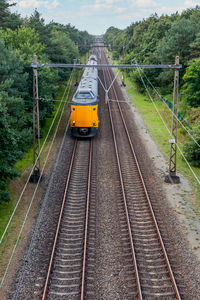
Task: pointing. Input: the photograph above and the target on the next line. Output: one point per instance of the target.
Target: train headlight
(73, 123)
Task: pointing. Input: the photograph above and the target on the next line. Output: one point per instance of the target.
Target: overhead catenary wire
(121, 101)
(197, 179)
(51, 100)
(27, 181)
(170, 109)
(30, 205)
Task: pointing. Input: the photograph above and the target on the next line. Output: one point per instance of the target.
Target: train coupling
(83, 131)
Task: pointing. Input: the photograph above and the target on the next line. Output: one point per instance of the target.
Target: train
(84, 121)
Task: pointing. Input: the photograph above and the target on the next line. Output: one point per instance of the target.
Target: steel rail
(59, 223)
(152, 213)
(126, 208)
(86, 223)
(150, 205)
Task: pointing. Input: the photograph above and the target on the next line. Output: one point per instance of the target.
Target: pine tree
(8, 19)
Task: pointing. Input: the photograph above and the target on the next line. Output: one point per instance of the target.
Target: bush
(194, 116)
(4, 196)
(191, 78)
(191, 149)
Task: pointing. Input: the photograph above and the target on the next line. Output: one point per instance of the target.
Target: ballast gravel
(110, 276)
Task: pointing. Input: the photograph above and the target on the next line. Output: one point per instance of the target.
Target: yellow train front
(84, 120)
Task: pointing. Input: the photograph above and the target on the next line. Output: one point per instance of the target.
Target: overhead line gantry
(103, 66)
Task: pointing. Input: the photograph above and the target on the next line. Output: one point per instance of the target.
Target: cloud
(119, 10)
(190, 3)
(55, 3)
(170, 10)
(37, 3)
(145, 3)
(104, 6)
(96, 16)
(108, 2)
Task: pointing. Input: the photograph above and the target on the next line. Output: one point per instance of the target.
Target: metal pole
(77, 50)
(36, 124)
(172, 177)
(34, 110)
(123, 73)
(106, 97)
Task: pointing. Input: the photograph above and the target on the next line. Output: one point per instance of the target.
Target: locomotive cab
(84, 107)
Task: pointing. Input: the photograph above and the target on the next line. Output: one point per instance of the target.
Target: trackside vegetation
(161, 136)
(20, 39)
(158, 40)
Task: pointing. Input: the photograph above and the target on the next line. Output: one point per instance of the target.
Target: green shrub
(191, 149)
(191, 78)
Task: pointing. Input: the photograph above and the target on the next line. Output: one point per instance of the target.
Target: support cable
(30, 205)
(113, 81)
(170, 109)
(102, 84)
(198, 180)
(107, 90)
(22, 193)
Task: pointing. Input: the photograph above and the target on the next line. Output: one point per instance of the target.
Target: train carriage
(84, 120)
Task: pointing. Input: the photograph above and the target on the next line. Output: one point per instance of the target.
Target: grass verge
(161, 136)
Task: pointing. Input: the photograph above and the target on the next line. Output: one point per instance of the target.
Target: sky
(96, 16)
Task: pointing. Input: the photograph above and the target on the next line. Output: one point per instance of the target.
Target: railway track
(107, 243)
(154, 277)
(67, 268)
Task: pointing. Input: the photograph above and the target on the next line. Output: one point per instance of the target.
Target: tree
(7, 19)
(11, 140)
(25, 41)
(191, 88)
(8, 152)
(62, 50)
(195, 47)
(80, 38)
(37, 23)
(111, 36)
(177, 42)
(13, 90)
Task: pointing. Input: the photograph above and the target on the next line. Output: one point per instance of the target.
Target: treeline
(20, 39)
(158, 40)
